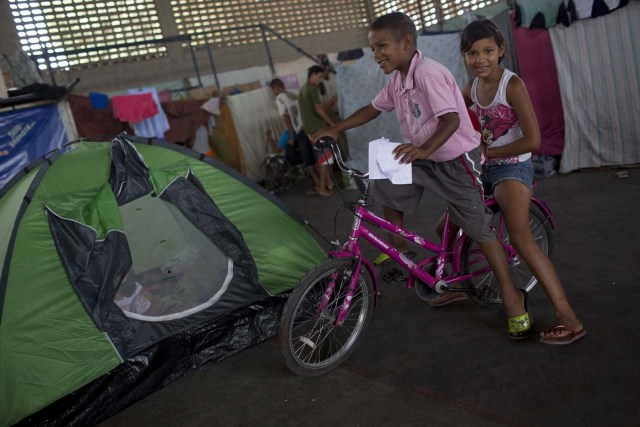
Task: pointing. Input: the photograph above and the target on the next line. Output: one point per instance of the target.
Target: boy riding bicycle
(429, 107)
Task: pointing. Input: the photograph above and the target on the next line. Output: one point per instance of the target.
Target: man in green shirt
(314, 117)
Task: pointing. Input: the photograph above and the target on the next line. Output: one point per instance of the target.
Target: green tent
(108, 249)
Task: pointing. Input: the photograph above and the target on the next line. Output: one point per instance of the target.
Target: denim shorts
(493, 175)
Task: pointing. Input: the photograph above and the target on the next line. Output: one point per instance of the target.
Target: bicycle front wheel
(485, 287)
(311, 339)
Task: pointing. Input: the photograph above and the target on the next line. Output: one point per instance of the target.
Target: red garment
(474, 120)
(326, 158)
(134, 108)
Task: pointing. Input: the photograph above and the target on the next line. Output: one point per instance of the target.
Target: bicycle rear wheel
(311, 341)
(485, 288)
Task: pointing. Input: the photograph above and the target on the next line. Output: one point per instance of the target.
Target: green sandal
(384, 257)
(519, 327)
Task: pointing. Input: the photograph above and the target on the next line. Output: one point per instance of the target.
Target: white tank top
(499, 121)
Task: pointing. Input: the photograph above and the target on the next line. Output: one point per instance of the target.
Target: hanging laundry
(584, 9)
(134, 108)
(155, 126)
(99, 101)
(165, 95)
(537, 13)
(212, 106)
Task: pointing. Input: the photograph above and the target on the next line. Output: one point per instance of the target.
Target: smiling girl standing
(509, 133)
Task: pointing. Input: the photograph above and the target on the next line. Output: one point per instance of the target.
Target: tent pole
(195, 62)
(210, 55)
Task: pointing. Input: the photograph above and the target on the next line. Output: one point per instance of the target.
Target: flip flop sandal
(561, 335)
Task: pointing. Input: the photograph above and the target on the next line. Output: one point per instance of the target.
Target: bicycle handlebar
(328, 142)
(332, 144)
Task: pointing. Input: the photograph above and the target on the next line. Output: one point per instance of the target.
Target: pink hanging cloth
(134, 108)
(538, 71)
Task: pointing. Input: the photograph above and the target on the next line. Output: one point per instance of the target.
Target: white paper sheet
(383, 165)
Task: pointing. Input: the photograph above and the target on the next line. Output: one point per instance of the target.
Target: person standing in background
(314, 118)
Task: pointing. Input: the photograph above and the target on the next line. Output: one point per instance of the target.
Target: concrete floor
(452, 366)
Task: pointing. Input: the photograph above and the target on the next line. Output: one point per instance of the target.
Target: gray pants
(456, 181)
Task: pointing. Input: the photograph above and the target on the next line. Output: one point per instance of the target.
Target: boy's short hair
(276, 83)
(315, 69)
(398, 24)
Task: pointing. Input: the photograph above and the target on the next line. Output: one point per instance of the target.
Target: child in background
(433, 118)
(314, 117)
(509, 133)
(297, 147)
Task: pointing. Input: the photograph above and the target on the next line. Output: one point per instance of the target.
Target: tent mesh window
(221, 20)
(176, 271)
(426, 13)
(52, 27)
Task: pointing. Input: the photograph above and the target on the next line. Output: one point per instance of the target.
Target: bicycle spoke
(521, 271)
(485, 280)
(304, 344)
(318, 332)
(314, 342)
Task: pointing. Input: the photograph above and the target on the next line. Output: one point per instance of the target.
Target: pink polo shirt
(429, 92)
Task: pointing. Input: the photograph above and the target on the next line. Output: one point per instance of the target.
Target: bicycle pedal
(393, 275)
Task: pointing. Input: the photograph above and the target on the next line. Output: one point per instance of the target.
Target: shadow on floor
(453, 366)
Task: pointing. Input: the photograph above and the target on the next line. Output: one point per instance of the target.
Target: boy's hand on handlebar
(323, 132)
(407, 153)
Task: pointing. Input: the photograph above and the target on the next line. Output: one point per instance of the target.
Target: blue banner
(26, 135)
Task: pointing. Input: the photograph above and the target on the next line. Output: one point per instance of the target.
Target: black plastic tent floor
(453, 366)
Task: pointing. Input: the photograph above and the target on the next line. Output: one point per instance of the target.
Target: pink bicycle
(328, 312)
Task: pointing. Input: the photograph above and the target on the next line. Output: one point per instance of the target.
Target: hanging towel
(99, 101)
(212, 106)
(154, 126)
(134, 108)
(538, 71)
(165, 95)
(537, 13)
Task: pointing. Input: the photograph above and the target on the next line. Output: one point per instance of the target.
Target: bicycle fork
(352, 275)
